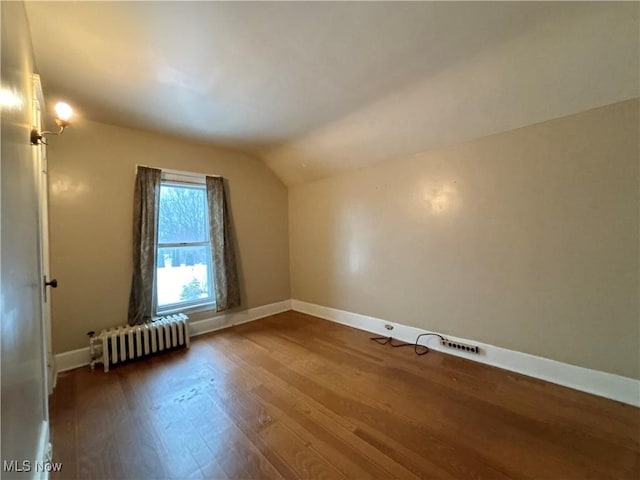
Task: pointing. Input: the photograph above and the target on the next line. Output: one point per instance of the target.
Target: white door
(40, 152)
(23, 407)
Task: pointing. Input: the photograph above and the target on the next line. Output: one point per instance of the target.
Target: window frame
(202, 304)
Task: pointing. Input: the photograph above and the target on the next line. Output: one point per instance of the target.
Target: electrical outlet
(459, 346)
(388, 326)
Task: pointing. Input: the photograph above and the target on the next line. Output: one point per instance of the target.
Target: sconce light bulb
(63, 111)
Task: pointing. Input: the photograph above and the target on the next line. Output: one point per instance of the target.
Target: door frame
(40, 159)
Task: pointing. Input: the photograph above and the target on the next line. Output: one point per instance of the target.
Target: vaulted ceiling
(316, 88)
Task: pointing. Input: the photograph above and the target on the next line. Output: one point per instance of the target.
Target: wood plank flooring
(294, 396)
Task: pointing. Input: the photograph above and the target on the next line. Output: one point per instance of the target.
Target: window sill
(190, 309)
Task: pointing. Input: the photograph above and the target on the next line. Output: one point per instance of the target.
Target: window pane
(183, 275)
(183, 215)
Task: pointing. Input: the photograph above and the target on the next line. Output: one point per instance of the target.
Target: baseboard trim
(608, 385)
(226, 320)
(71, 359)
(80, 357)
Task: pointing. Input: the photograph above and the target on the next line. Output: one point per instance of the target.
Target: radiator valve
(95, 349)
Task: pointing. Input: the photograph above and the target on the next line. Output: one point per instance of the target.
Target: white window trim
(188, 179)
(181, 175)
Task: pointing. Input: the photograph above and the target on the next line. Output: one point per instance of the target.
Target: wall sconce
(63, 114)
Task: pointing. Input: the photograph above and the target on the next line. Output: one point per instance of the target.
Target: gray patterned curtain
(222, 249)
(145, 217)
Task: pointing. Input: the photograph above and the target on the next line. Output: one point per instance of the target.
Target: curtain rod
(178, 172)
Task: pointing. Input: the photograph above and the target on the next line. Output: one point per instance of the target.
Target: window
(184, 276)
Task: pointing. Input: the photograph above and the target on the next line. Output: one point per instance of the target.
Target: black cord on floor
(423, 348)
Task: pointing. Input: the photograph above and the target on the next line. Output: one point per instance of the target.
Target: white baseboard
(80, 357)
(615, 387)
(226, 320)
(71, 359)
(608, 385)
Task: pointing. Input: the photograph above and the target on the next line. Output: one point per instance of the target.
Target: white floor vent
(129, 342)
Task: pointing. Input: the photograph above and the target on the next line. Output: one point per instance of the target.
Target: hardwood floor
(293, 396)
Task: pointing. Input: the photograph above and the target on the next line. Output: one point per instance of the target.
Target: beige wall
(92, 170)
(527, 240)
